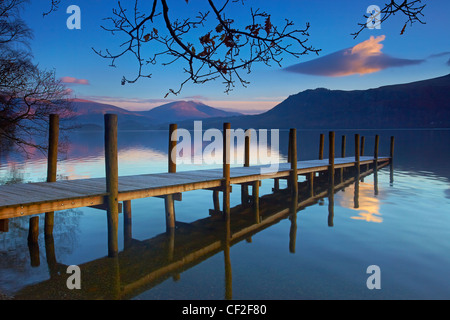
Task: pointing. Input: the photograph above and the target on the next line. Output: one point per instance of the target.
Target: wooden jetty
(143, 264)
(107, 193)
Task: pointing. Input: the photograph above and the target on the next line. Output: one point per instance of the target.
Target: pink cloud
(72, 80)
(68, 92)
(365, 57)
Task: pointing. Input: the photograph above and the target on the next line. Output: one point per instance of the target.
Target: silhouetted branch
(411, 9)
(12, 29)
(28, 95)
(223, 50)
(53, 7)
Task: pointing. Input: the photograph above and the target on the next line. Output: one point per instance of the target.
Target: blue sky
(70, 53)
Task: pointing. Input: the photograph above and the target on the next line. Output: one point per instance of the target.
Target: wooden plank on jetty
(105, 193)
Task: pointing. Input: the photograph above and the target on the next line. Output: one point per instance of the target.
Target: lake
(400, 226)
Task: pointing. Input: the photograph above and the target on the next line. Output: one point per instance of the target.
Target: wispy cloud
(441, 54)
(196, 97)
(365, 57)
(72, 80)
(68, 91)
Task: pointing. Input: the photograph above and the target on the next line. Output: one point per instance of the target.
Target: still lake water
(404, 229)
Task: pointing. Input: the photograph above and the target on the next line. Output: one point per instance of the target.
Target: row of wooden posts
(111, 162)
(111, 169)
(52, 159)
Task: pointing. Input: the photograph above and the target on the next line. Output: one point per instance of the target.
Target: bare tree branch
(223, 50)
(53, 7)
(28, 95)
(411, 9)
(211, 45)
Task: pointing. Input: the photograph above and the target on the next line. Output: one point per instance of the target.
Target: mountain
(185, 110)
(90, 114)
(421, 104)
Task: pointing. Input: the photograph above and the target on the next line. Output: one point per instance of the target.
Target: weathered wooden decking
(35, 198)
(106, 193)
(143, 264)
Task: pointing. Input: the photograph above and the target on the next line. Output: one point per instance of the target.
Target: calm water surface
(404, 228)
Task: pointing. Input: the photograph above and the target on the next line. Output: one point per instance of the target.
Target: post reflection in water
(356, 193)
(331, 172)
(227, 260)
(143, 264)
(293, 218)
(363, 198)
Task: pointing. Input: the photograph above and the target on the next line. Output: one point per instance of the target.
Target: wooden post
(343, 146)
(169, 202)
(173, 147)
(276, 185)
(357, 172)
(255, 191)
(50, 256)
(392, 149)
(391, 169)
(244, 193)
(331, 208)
(356, 194)
(33, 245)
(227, 261)
(294, 174)
(244, 187)
(363, 140)
(52, 147)
(293, 232)
(375, 163)
(33, 230)
(361, 153)
(4, 225)
(375, 180)
(52, 160)
(321, 146)
(35, 260)
(294, 189)
(375, 151)
(216, 200)
(294, 185)
(357, 150)
(226, 233)
(331, 153)
(112, 182)
(311, 184)
(171, 245)
(289, 156)
(226, 170)
(247, 148)
(169, 205)
(127, 230)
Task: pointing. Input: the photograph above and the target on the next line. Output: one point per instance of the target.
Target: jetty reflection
(143, 265)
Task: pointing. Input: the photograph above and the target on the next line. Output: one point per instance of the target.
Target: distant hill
(421, 104)
(185, 110)
(90, 114)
